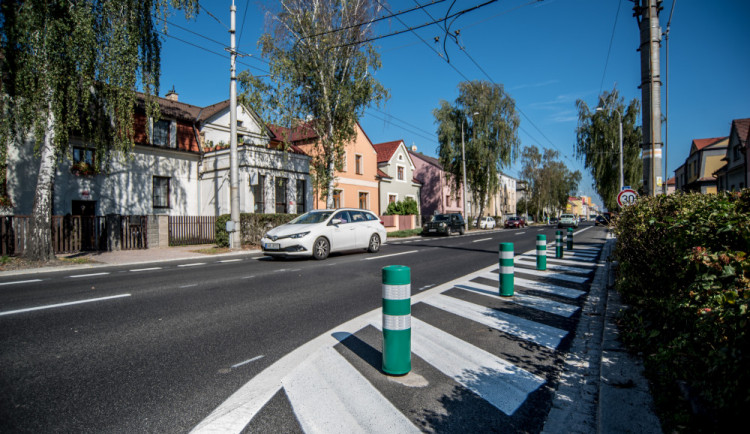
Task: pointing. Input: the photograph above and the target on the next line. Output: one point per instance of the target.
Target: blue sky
(546, 54)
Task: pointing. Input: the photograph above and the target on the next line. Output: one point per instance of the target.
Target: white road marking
(538, 303)
(189, 286)
(71, 303)
(553, 260)
(499, 382)
(426, 287)
(568, 254)
(329, 395)
(192, 265)
(147, 269)
(584, 229)
(520, 233)
(481, 239)
(89, 275)
(247, 277)
(526, 260)
(539, 333)
(247, 361)
(550, 275)
(20, 281)
(539, 286)
(388, 256)
(230, 260)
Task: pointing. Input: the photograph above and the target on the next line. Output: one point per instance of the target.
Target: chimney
(172, 95)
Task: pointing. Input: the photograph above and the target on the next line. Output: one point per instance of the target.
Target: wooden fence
(72, 234)
(189, 230)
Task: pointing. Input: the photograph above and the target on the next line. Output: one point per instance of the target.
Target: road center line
(147, 269)
(50, 306)
(89, 275)
(192, 265)
(520, 233)
(388, 256)
(481, 239)
(231, 260)
(247, 361)
(188, 286)
(20, 281)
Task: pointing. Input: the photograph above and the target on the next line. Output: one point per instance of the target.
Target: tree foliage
(320, 70)
(490, 133)
(70, 69)
(549, 181)
(598, 144)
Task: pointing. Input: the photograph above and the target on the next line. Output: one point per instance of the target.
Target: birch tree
(490, 134)
(71, 68)
(320, 76)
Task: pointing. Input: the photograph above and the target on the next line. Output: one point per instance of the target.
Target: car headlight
(299, 235)
(442, 225)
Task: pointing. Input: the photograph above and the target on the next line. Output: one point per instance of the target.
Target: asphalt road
(166, 343)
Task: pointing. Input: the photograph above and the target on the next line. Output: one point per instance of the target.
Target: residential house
(396, 169)
(671, 183)
(732, 175)
(357, 182)
(705, 158)
(438, 195)
(680, 178)
(503, 203)
(168, 173)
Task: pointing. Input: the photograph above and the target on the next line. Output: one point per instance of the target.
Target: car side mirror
(335, 222)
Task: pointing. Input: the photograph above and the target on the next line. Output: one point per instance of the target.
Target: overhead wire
(609, 50)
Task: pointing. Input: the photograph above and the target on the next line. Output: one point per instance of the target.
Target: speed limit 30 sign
(627, 197)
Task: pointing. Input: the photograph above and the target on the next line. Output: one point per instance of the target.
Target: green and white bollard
(396, 320)
(506, 269)
(570, 238)
(541, 252)
(558, 245)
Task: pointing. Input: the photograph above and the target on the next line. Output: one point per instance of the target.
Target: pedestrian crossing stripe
(548, 288)
(542, 334)
(497, 381)
(531, 301)
(552, 260)
(328, 395)
(575, 256)
(550, 275)
(523, 260)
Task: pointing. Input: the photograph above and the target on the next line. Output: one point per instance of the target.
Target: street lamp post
(619, 116)
(463, 163)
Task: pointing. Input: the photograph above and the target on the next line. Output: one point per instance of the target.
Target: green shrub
(407, 206)
(222, 236)
(685, 271)
(252, 227)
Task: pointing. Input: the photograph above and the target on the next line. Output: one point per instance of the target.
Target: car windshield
(441, 218)
(311, 217)
(513, 218)
(566, 216)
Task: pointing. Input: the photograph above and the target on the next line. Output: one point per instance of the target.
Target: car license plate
(272, 246)
(432, 230)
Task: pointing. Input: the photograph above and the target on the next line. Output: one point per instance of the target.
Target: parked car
(515, 222)
(567, 221)
(529, 220)
(318, 233)
(486, 223)
(444, 224)
(553, 220)
(603, 219)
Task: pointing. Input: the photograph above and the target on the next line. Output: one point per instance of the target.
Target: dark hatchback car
(444, 224)
(603, 219)
(515, 222)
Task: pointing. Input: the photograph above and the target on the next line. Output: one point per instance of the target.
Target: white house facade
(397, 181)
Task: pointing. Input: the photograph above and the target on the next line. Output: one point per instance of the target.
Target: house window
(447, 199)
(358, 164)
(161, 191)
(392, 198)
(336, 199)
(161, 133)
(363, 200)
(400, 173)
(343, 162)
(281, 195)
(301, 195)
(83, 155)
(258, 196)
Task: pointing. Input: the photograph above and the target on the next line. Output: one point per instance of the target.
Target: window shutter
(173, 134)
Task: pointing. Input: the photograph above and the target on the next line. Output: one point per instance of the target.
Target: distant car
(444, 224)
(553, 220)
(318, 233)
(603, 219)
(487, 223)
(567, 221)
(515, 222)
(528, 220)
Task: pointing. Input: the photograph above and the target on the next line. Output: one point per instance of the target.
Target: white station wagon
(318, 233)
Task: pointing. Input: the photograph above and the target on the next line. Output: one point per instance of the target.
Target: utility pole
(234, 190)
(647, 15)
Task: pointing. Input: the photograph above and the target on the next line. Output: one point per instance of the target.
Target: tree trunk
(331, 183)
(40, 246)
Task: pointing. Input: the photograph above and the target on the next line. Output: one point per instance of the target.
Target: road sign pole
(506, 269)
(541, 252)
(396, 320)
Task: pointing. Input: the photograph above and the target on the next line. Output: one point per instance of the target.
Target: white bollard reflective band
(541, 243)
(506, 255)
(396, 292)
(506, 270)
(396, 322)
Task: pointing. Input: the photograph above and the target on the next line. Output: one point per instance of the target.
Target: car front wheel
(321, 248)
(374, 244)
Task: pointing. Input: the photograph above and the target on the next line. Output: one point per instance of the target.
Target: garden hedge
(685, 272)
(252, 227)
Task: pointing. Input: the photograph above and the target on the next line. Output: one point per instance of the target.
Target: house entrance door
(86, 211)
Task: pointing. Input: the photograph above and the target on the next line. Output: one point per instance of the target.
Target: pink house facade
(436, 195)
